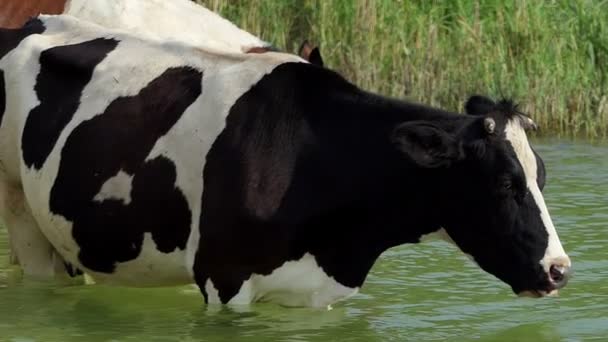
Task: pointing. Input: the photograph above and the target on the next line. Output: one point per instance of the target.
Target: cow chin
(538, 294)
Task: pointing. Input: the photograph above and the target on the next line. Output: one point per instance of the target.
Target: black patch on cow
(479, 105)
(2, 95)
(64, 73)
(10, 38)
(120, 139)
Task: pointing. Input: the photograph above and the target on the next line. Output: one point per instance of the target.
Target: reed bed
(549, 55)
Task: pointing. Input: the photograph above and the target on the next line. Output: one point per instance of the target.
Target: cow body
(258, 176)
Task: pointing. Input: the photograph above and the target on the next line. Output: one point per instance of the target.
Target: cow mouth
(549, 289)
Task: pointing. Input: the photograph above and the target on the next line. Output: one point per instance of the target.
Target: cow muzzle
(559, 274)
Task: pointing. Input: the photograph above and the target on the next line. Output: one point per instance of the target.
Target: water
(421, 292)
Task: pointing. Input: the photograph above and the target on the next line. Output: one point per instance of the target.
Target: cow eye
(507, 184)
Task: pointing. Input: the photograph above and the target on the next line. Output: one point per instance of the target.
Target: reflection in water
(417, 292)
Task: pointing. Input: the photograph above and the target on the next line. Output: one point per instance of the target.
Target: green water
(422, 292)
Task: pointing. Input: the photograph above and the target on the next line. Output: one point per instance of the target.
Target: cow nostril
(559, 275)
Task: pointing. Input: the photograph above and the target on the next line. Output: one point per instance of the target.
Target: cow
(181, 20)
(260, 177)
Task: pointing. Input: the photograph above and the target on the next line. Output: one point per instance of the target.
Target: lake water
(419, 292)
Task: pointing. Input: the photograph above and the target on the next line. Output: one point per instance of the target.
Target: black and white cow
(181, 20)
(258, 176)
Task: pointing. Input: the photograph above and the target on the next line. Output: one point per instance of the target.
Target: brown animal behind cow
(14, 13)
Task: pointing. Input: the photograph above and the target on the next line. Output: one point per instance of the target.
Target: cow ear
(479, 105)
(315, 57)
(310, 53)
(427, 145)
(305, 49)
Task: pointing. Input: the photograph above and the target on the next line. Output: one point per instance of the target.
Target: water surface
(415, 292)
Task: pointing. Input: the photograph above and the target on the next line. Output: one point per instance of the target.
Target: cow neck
(354, 195)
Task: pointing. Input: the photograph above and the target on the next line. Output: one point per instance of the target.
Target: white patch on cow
(181, 20)
(117, 188)
(295, 283)
(516, 135)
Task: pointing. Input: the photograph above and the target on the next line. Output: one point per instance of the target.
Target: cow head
(489, 193)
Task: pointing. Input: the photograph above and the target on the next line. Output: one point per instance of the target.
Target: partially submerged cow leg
(29, 247)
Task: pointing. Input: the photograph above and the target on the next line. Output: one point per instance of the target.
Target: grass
(550, 55)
